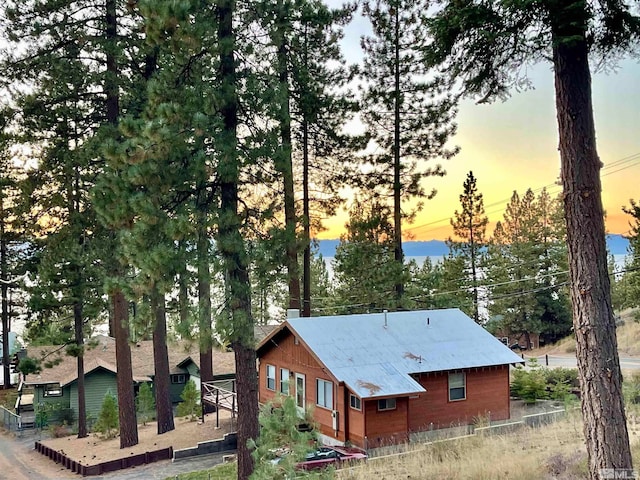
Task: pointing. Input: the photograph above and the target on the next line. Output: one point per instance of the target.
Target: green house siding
(96, 385)
(39, 397)
(175, 389)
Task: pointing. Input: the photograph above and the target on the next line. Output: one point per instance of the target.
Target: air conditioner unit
(334, 419)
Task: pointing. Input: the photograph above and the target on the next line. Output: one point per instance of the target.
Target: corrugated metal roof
(375, 357)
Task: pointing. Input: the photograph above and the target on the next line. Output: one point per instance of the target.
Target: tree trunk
(284, 163)
(306, 220)
(231, 245)
(605, 425)
(204, 304)
(126, 398)
(161, 377)
(4, 287)
(79, 337)
(397, 197)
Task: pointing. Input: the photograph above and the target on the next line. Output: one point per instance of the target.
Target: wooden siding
(39, 398)
(297, 359)
(96, 385)
(175, 389)
(487, 394)
(386, 427)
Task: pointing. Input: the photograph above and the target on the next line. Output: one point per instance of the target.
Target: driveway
(570, 361)
(19, 461)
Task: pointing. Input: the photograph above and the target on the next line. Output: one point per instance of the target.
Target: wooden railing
(220, 398)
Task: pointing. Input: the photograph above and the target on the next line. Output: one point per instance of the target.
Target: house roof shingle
(103, 355)
(375, 354)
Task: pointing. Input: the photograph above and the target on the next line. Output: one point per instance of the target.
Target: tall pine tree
(406, 107)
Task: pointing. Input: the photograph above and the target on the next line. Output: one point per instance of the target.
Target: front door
(300, 391)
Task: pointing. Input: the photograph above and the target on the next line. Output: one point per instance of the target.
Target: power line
(618, 165)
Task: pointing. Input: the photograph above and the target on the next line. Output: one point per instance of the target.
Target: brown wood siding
(487, 394)
(297, 359)
(386, 427)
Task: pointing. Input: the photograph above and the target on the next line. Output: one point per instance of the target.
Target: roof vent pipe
(385, 318)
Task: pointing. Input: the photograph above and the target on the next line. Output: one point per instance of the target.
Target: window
(271, 377)
(179, 378)
(324, 393)
(387, 404)
(53, 390)
(355, 402)
(284, 381)
(457, 387)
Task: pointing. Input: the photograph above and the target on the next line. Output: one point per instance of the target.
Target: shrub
(529, 385)
(145, 404)
(107, 423)
(189, 406)
(281, 436)
(631, 389)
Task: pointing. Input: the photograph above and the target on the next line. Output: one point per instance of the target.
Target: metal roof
(374, 354)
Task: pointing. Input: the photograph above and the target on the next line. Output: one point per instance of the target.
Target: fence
(10, 420)
(104, 467)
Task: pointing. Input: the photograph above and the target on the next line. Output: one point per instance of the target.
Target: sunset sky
(513, 145)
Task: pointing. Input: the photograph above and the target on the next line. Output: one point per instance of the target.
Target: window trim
(387, 407)
(271, 369)
(178, 378)
(284, 381)
(357, 399)
(52, 390)
(327, 401)
(457, 387)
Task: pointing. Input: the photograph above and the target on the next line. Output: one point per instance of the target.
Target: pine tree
(107, 422)
(145, 404)
(364, 266)
(189, 406)
(469, 226)
(406, 108)
(631, 278)
(230, 243)
(486, 47)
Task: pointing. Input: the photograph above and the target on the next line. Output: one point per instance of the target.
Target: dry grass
(629, 334)
(553, 451)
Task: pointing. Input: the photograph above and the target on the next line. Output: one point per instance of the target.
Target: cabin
(374, 379)
(56, 383)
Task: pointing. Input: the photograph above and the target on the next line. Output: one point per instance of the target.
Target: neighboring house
(372, 379)
(57, 381)
(520, 341)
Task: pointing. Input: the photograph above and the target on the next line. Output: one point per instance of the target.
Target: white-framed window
(324, 393)
(284, 381)
(271, 377)
(386, 404)
(355, 402)
(179, 378)
(52, 390)
(457, 386)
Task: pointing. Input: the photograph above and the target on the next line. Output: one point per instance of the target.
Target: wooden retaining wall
(104, 467)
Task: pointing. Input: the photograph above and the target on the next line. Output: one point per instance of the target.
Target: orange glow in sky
(512, 145)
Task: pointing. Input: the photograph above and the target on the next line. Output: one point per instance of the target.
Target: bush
(529, 385)
(631, 389)
(108, 420)
(145, 404)
(281, 436)
(189, 406)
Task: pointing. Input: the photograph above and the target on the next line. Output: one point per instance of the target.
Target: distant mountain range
(616, 244)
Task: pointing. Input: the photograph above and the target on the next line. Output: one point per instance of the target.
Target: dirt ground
(93, 449)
